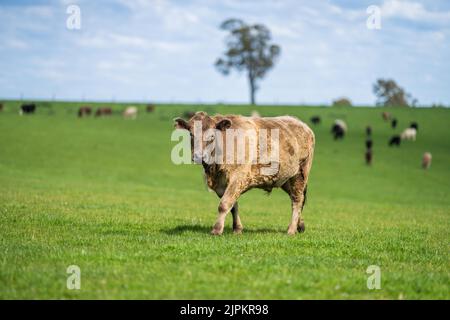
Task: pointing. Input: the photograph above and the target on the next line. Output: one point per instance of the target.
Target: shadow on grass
(207, 229)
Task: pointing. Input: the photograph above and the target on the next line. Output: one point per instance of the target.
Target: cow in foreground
(230, 180)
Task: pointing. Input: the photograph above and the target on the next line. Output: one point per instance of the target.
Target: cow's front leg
(237, 225)
(229, 198)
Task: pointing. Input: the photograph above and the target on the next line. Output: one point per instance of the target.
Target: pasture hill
(101, 193)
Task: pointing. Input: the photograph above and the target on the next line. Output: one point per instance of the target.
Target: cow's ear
(223, 124)
(180, 123)
(201, 113)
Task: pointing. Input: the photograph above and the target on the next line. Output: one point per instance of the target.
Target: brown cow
(84, 111)
(150, 108)
(426, 160)
(230, 180)
(105, 111)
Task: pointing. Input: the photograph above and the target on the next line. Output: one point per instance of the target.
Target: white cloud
(413, 11)
(15, 44)
(39, 11)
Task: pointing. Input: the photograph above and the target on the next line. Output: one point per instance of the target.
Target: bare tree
(248, 49)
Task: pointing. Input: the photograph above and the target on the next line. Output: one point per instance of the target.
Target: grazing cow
(395, 141)
(394, 123)
(1, 106)
(339, 129)
(368, 131)
(409, 134)
(414, 125)
(84, 111)
(255, 114)
(369, 144)
(105, 111)
(315, 120)
(230, 180)
(368, 157)
(28, 108)
(386, 116)
(150, 108)
(130, 112)
(426, 160)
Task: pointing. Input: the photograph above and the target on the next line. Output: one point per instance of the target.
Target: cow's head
(202, 127)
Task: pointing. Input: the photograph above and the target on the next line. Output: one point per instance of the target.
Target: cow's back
(296, 143)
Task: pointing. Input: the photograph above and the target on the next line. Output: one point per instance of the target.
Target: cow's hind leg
(237, 225)
(296, 187)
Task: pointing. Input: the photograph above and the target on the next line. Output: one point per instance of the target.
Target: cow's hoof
(216, 232)
(301, 227)
(238, 230)
(291, 232)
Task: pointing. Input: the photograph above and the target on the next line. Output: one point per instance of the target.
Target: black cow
(368, 131)
(28, 108)
(368, 157)
(395, 141)
(337, 131)
(369, 144)
(315, 120)
(394, 123)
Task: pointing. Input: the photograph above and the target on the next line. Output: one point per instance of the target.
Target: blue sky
(135, 50)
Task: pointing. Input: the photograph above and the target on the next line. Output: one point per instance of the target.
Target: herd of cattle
(130, 112)
(339, 129)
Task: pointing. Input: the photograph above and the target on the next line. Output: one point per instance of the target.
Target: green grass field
(103, 194)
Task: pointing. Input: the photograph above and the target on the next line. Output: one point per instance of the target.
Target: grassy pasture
(103, 194)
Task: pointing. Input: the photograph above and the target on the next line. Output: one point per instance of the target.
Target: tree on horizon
(249, 49)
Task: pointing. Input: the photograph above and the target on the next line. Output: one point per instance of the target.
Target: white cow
(409, 134)
(130, 113)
